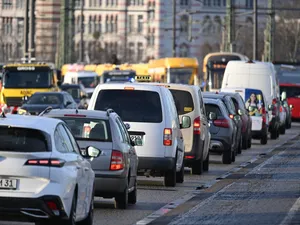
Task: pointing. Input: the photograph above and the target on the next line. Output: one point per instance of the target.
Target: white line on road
(291, 214)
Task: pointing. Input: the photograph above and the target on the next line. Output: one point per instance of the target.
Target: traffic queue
(56, 156)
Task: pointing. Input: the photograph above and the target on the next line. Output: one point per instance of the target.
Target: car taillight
(231, 116)
(264, 115)
(281, 109)
(197, 126)
(53, 206)
(45, 162)
(221, 123)
(167, 137)
(274, 101)
(117, 160)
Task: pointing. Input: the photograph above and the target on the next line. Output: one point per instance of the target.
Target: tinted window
(291, 92)
(22, 140)
(213, 108)
(74, 92)
(183, 101)
(132, 106)
(48, 99)
(88, 128)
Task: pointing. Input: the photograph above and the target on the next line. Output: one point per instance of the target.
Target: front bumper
(30, 209)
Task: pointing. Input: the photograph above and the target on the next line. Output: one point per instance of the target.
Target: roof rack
(108, 111)
(48, 109)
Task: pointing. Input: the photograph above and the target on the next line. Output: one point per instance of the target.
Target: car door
(204, 125)
(128, 151)
(81, 165)
(132, 152)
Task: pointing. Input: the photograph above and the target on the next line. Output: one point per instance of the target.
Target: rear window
(132, 106)
(88, 128)
(15, 139)
(213, 108)
(183, 101)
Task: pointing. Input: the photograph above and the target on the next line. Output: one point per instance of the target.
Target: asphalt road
(154, 199)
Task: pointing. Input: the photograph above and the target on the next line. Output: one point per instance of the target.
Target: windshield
(27, 79)
(15, 139)
(118, 76)
(183, 101)
(289, 77)
(132, 106)
(45, 99)
(180, 75)
(216, 78)
(89, 129)
(75, 92)
(88, 82)
(291, 92)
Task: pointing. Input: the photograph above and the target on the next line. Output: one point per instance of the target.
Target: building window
(116, 24)
(184, 24)
(140, 51)
(99, 25)
(184, 2)
(130, 23)
(19, 4)
(140, 24)
(151, 10)
(112, 24)
(184, 51)
(20, 26)
(151, 37)
(107, 25)
(249, 4)
(207, 2)
(90, 25)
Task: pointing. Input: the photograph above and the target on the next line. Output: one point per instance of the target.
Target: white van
(88, 79)
(154, 125)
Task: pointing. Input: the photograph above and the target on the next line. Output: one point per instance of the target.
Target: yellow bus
(101, 68)
(174, 70)
(214, 65)
(71, 68)
(141, 69)
(21, 80)
(90, 67)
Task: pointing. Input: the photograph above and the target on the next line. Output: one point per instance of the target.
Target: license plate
(8, 184)
(137, 139)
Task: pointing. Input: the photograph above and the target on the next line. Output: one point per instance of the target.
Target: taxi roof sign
(128, 88)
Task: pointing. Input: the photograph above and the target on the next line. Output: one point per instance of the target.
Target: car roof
(50, 93)
(212, 100)
(70, 85)
(136, 86)
(175, 86)
(88, 113)
(32, 122)
(211, 94)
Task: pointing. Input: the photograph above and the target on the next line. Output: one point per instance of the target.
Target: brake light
(280, 109)
(167, 136)
(52, 205)
(128, 88)
(264, 115)
(221, 123)
(231, 116)
(274, 101)
(189, 157)
(197, 126)
(74, 115)
(45, 162)
(117, 160)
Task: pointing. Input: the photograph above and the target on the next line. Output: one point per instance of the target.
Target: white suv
(43, 177)
(154, 125)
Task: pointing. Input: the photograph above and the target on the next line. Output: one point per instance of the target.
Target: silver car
(43, 176)
(116, 168)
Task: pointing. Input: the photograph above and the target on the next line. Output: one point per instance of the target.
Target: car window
(73, 141)
(236, 104)
(213, 108)
(15, 139)
(65, 99)
(202, 107)
(59, 142)
(45, 99)
(88, 128)
(65, 137)
(173, 107)
(132, 106)
(125, 130)
(183, 101)
(229, 104)
(124, 137)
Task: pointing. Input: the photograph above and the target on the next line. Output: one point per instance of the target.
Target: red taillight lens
(274, 101)
(168, 136)
(264, 115)
(281, 109)
(231, 116)
(189, 157)
(52, 205)
(117, 160)
(45, 162)
(221, 123)
(197, 126)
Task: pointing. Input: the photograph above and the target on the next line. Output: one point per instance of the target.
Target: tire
(226, 157)
(239, 149)
(250, 142)
(206, 163)
(282, 129)
(274, 134)
(278, 133)
(264, 139)
(72, 218)
(170, 177)
(197, 167)
(89, 219)
(233, 157)
(180, 175)
(132, 196)
(245, 142)
(121, 200)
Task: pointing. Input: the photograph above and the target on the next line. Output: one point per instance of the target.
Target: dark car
(226, 99)
(78, 93)
(245, 117)
(222, 129)
(39, 101)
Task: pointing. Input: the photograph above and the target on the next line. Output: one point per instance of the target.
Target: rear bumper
(218, 144)
(159, 164)
(109, 186)
(30, 209)
(258, 134)
(196, 152)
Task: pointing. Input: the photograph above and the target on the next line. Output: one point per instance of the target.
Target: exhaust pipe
(36, 213)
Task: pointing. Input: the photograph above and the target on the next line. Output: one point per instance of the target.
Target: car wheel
(206, 163)
(170, 177)
(121, 200)
(264, 140)
(197, 167)
(245, 142)
(278, 133)
(180, 175)
(274, 134)
(132, 196)
(249, 142)
(90, 217)
(233, 157)
(226, 157)
(239, 149)
(72, 218)
(282, 129)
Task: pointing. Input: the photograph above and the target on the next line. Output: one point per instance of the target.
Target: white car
(43, 177)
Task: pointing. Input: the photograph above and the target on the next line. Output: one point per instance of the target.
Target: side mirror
(212, 116)
(291, 106)
(93, 152)
(186, 122)
(240, 112)
(127, 125)
(270, 107)
(68, 103)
